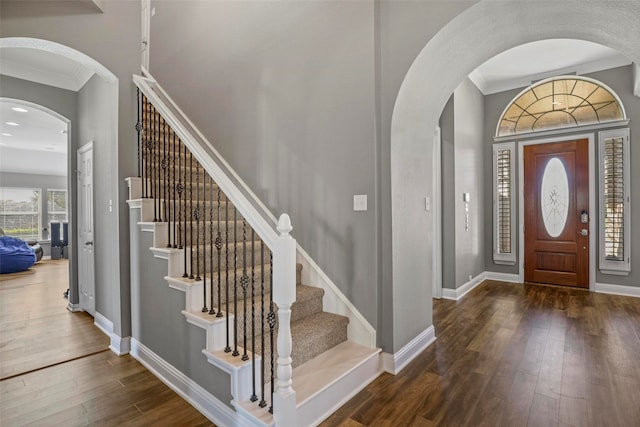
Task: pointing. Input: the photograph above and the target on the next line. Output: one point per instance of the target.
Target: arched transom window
(560, 102)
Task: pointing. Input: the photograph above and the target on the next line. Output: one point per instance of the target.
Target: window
(57, 205)
(20, 212)
(560, 102)
(615, 216)
(504, 203)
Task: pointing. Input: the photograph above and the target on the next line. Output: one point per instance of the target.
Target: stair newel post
(284, 295)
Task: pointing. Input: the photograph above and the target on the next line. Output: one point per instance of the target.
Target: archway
(477, 34)
(111, 82)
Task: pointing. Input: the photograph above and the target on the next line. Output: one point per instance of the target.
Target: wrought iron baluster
(145, 148)
(179, 190)
(191, 276)
(217, 243)
(235, 285)
(196, 214)
(271, 318)
(186, 217)
(154, 167)
(173, 187)
(200, 213)
(263, 360)
(227, 349)
(165, 182)
(139, 129)
(219, 247)
(254, 397)
(244, 282)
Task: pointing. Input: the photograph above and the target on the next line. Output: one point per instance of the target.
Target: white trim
(615, 267)
(436, 207)
(74, 308)
(118, 345)
(563, 131)
(502, 277)
(636, 80)
(461, 291)
(209, 405)
(629, 291)
(592, 198)
(394, 363)
(334, 301)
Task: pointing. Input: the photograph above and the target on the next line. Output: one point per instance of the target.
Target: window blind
(503, 201)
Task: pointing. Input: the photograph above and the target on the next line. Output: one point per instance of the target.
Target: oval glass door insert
(554, 197)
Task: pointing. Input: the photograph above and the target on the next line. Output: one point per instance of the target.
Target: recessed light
(20, 109)
(6, 134)
(12, 123)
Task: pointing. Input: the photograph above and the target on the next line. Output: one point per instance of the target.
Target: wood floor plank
(516, 355)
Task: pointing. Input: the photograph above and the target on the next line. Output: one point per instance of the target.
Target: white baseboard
(394, 363)
(456, 294)
(118, 345)
(629, 291)
(209, 405)
(502, 277)
(74, 308)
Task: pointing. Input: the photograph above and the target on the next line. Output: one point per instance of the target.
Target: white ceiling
(518, 67)
(36, 145)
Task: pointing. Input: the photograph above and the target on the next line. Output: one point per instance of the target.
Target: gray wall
(448, 195)
(620, 80)
(113, 39)
(65, 103)
(298, 97)
(157, 319)
(469, 146)
(285, 91)
(97, 104)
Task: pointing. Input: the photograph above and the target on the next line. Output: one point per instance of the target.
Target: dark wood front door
(556, 194)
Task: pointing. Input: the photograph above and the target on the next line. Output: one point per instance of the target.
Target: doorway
(556, 210)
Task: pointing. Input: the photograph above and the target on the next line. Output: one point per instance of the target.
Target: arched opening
(95, 104)
(465, 43)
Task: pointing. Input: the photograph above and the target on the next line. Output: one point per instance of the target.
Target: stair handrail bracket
(284, 295)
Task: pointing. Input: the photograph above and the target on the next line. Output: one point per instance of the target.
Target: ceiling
(524, 64)
(31, 141)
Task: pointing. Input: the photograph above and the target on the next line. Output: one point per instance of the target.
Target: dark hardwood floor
(57, 369)
(515, 355)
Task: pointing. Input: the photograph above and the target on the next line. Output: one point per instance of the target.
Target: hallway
(515, 355)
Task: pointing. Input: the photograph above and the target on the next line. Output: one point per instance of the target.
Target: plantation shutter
(504, 214)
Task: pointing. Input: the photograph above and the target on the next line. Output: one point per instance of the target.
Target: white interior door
(86, 278)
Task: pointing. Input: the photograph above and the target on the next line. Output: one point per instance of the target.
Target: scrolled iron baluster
(271, 319)
(244, 281)
(235, 285)
(254, 397)
(191, 276)
(214, 243)
(139, 129)
(219, 248)
(263, 360)
(204, 241)
(185, 217)
(227, 349)
(173, 186)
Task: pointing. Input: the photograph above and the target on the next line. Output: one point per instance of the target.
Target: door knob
(584, 232)
(89, 243)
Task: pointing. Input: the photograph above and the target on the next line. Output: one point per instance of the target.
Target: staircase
(226, 272)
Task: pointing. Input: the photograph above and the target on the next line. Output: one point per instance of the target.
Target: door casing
(592, 199)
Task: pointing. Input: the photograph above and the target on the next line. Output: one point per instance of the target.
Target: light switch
(360, 202)
(427, 204)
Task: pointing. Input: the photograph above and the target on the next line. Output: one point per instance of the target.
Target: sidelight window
(504, 203)
(615, 202)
